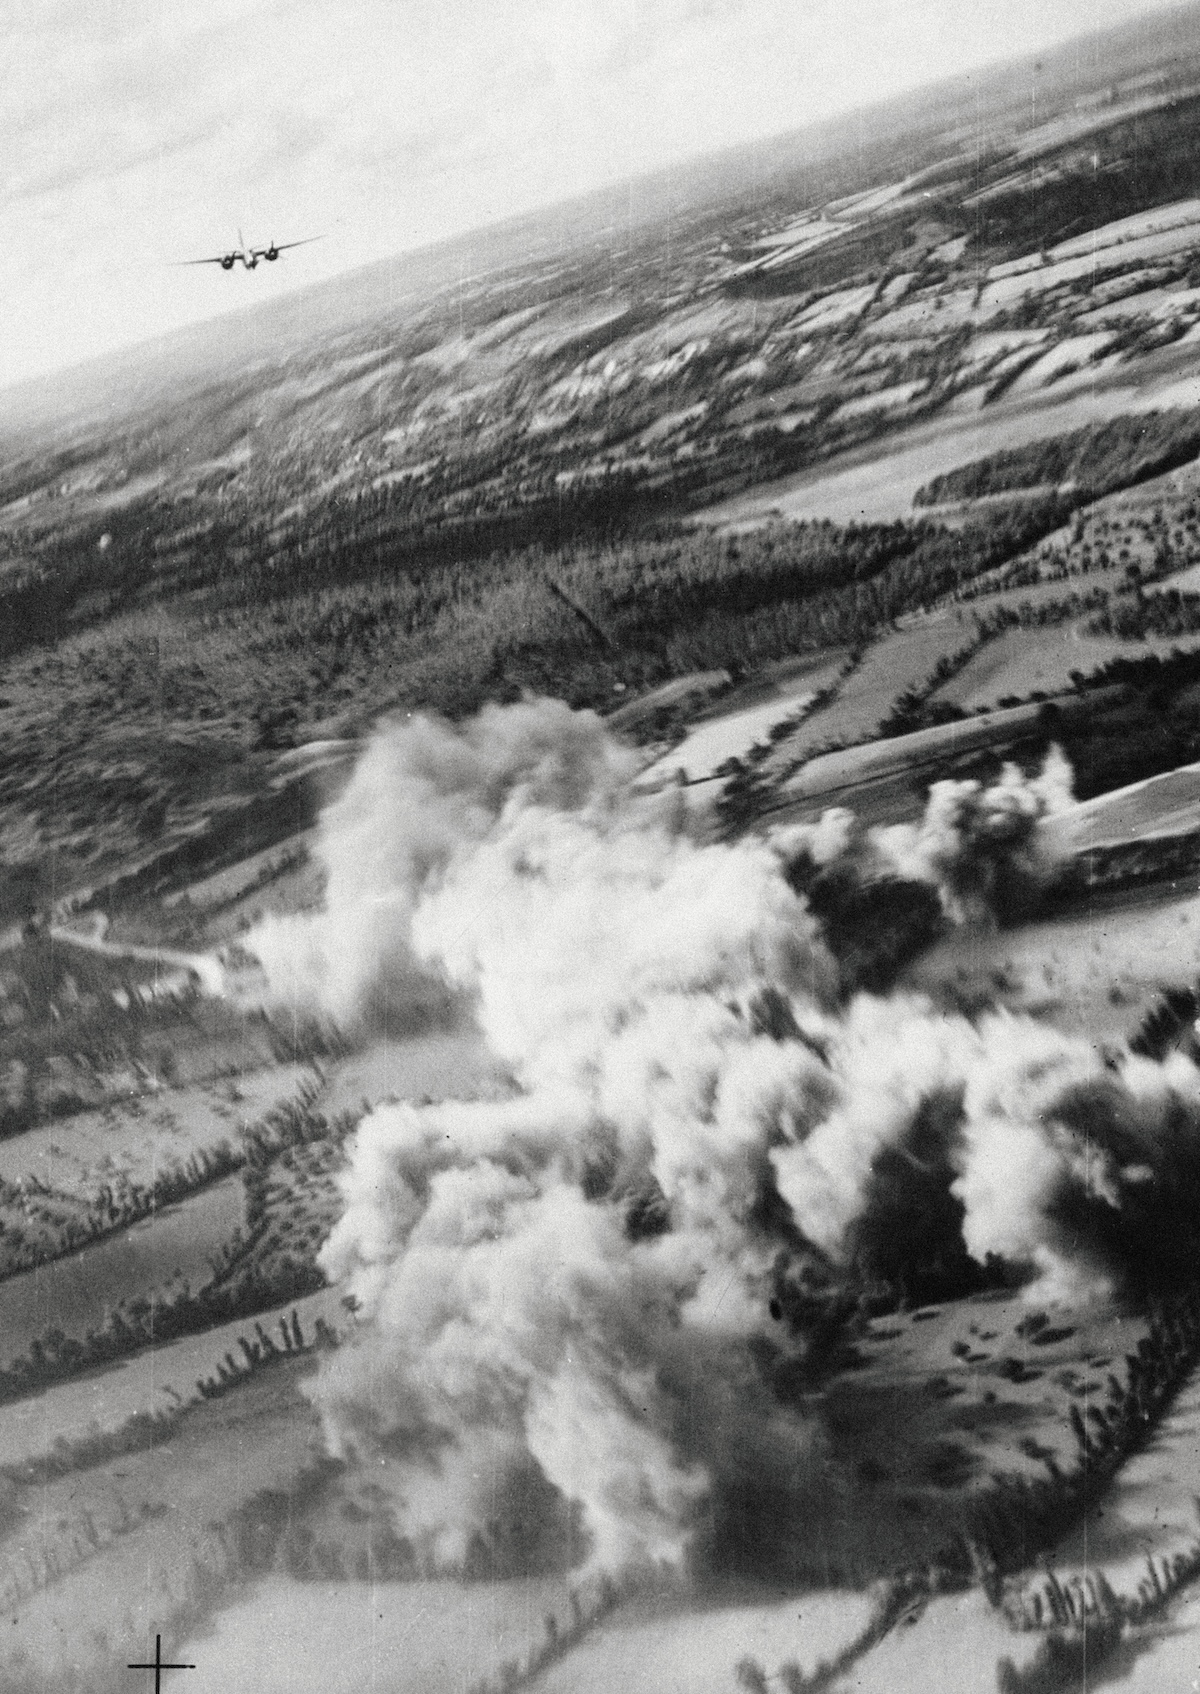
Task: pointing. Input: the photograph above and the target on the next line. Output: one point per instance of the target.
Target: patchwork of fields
(857, 521)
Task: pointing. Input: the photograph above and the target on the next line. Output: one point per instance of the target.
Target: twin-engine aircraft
(250, 256)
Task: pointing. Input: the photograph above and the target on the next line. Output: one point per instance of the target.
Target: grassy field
(1125, 450)
(897, 661)
(738, 725)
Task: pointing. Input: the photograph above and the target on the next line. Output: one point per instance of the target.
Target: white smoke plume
(590, 1287)
(978, 844)
(420, 795)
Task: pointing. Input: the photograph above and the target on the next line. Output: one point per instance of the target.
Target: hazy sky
(137, 132)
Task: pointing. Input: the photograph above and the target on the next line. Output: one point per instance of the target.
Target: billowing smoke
(600, 1292)
(422, 794)
(978, 845)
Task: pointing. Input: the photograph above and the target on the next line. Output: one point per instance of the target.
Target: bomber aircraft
(250, 255)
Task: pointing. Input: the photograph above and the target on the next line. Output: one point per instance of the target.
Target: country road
(205, 967)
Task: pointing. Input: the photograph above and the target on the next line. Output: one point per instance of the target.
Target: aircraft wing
(218, 260)
(282, 246)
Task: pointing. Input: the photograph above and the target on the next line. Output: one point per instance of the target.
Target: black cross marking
(158, 1666)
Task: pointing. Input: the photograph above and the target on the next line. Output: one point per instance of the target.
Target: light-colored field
(696, 1651)
(994, 344)
(1175, 216)
(1185, 582)
(1160, 805)
(139, 1137)
(815, 236)
(233, 881)
(882, 400)
(1021, 661)
(1158, 304)
(1088, 117)
(289, 1637)
(1149, 1509)
(835, 309)
(1184, 390)
(151, 1512)
(1054, 591)
(796, 232)
(745, 717)
(929, 314)
(1075, 353)
(897, 288)
(1122, 528)
(710, 743)
(685, 691)
(74, 1293)
(877, 483)
(1095, 971)
(104, 1400)
(1006, 291)
(956, 1644)
(883, 1414)
(75, 506)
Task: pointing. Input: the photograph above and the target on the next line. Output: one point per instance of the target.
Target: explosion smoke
(979, 845)
(567, 1295)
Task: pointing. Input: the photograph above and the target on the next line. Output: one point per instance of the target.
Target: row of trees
(55, 1223)
(1095, 460)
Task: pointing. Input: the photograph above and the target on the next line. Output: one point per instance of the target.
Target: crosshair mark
(158, 1665)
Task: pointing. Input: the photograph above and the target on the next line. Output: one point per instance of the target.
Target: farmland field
(898, 661)
(77, 1292)
(880, 484)
(1014, 666)
(423, 1637)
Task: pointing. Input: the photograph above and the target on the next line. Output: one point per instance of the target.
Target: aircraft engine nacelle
(272, 252)
(227, 262)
